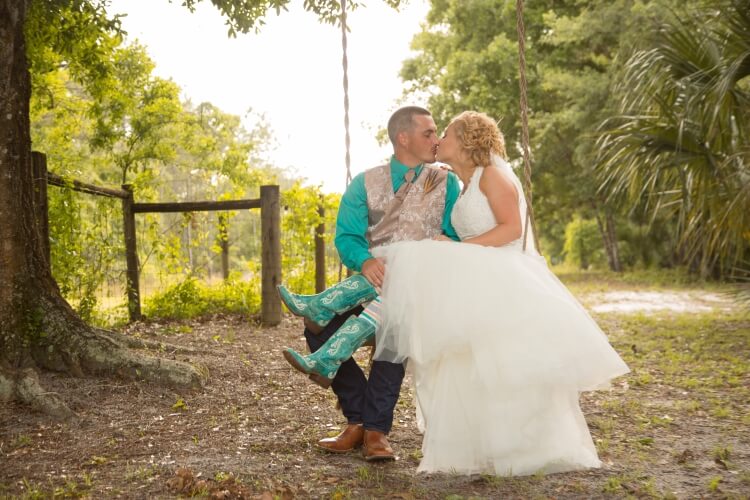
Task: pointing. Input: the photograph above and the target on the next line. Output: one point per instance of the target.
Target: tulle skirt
(499, 351)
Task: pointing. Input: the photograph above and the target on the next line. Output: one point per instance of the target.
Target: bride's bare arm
(503, 199)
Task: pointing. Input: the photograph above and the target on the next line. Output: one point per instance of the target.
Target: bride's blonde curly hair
(480, 137)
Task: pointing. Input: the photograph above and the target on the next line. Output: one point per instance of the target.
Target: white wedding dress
(498, 349)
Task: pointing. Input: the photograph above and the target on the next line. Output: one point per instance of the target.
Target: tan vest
(417, 216)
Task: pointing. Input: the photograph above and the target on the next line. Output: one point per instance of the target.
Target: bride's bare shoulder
(496, 182)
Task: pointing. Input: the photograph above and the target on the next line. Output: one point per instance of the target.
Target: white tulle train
(499, 351)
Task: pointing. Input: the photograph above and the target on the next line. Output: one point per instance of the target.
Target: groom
(399, 201)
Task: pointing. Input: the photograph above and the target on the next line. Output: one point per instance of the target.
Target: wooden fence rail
(197, 206)
(268, 203)
(56, 180)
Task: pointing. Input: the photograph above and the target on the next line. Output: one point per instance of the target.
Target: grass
(695, 354)
(686, 369)
(643, 280)
(71, 488)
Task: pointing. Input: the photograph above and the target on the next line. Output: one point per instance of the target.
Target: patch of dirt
(631, 301)
(250, 433)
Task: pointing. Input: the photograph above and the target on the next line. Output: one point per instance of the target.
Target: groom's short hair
(402, 120)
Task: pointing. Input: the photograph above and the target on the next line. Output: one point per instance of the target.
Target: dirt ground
(676, 427)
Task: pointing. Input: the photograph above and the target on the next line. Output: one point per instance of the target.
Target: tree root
(77, 348)
(60, 341)
(154, 345)
(94, 354)
(104, 358)
(23, 386)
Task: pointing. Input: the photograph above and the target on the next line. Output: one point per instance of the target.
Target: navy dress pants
(367, 401)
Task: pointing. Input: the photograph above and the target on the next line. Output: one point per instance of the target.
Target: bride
(498, 348)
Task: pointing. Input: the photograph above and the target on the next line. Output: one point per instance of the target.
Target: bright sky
(291, 72)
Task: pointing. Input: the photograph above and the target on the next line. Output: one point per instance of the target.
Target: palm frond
(680, 146)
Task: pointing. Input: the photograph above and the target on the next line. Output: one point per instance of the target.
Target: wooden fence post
(320, 250)
(223, 238)
(270, 228)
(41, 206)
(131, 255)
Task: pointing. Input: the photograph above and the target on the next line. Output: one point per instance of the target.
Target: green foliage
(100, 116)
(85, 234)
(298, 227)
(713, 484)
(248, 15)
(118, 123)
(76, 34)
(646, 246)
(678, 148)
(191, 298)
(180, 405)
(134, 114)
(583, 248)
(467, 58)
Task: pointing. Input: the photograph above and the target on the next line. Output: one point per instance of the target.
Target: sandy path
(630, 301)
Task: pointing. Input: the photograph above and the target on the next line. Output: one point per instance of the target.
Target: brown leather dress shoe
(376, 447)
(349, 439)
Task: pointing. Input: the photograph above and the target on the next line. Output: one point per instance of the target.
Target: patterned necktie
(404, 189)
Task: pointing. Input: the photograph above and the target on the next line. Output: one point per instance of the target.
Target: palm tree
(679, 147)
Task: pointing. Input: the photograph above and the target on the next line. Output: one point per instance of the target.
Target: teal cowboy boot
(322, 365)
(318, 310)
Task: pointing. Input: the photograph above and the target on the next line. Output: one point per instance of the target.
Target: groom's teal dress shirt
(352, 221)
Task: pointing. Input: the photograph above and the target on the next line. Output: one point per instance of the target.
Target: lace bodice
(472, 214)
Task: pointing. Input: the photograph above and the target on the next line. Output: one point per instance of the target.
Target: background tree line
(102, 117)
(639, 116)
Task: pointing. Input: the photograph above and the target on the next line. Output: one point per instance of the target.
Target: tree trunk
(609, 237)
(615, 263)
(38, 328)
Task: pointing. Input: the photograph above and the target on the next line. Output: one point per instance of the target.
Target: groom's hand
(374, 270)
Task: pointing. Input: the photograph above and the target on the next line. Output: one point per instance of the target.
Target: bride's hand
(441, 237)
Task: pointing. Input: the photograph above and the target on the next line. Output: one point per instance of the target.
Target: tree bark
(606, 224)
(616, 263)
(38, 328)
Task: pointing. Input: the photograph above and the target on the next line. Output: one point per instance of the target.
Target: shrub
(191, 298)
(583, 244)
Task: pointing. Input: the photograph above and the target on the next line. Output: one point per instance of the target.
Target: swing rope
(345, 64)
(524, 107)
